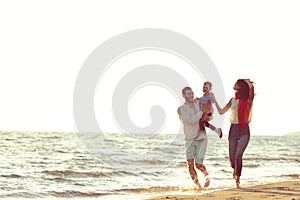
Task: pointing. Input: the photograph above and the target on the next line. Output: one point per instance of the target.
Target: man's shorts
(196, 149)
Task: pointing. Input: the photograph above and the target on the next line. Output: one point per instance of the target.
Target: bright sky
(43, 45)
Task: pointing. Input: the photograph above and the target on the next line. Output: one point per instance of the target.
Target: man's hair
(208, 83)
(184, 89)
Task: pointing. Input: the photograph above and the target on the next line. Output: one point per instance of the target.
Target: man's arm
(186, 117)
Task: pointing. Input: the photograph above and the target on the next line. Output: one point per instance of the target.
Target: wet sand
(289, 190)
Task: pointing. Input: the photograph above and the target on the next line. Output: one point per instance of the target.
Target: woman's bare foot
(237, 180)
(234, 175)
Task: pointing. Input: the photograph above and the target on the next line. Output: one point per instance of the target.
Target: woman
(240, 116)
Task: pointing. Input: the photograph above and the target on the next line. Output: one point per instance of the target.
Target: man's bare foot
(197, 183)
(207, 181)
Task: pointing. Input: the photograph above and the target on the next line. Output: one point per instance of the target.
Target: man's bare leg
(202, 168)
(193, 173)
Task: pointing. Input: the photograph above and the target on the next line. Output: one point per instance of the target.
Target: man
(190, 114)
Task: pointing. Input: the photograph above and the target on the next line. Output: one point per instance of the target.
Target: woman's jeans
(238, 140)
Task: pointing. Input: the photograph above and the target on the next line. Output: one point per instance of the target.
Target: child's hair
(208, 83)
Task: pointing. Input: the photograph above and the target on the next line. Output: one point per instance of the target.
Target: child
(207, 109)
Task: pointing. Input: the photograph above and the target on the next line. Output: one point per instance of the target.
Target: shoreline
(279, 190)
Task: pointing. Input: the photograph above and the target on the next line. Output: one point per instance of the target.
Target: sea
(58, 165)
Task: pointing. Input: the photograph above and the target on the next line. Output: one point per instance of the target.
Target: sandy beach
(281, 190)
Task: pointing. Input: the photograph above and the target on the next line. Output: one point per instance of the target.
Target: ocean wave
(251, 165)
(215, 164)
(74, 194)
(59, 179)
(296, 176)
(217, 158)
(152, 161)
(155, 189)
(268, 158)
(181, 164)
(289, 155)
(62, 151)
(11, 176)
(225, 171)
(29, 195)
(82, 174)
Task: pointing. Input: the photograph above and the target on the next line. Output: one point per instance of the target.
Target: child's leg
(202, 130)
(202, 126)
(217, 130)
(212, 127)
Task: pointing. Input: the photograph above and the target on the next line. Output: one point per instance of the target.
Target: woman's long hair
(246, 90)
(246, 97)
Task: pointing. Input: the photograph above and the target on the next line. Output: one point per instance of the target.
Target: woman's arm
(221, 110)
